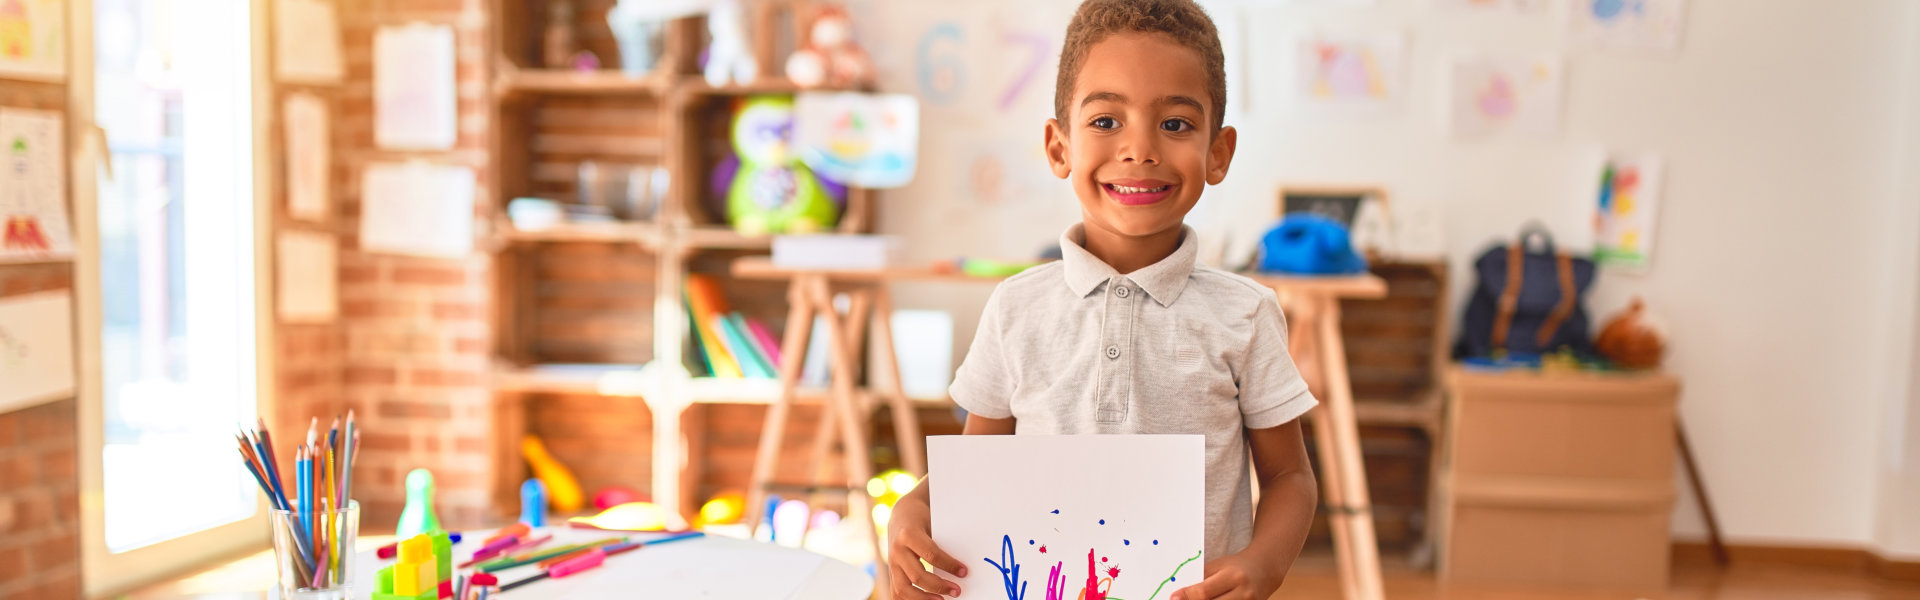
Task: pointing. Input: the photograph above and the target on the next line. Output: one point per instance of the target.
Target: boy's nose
(1139, 152)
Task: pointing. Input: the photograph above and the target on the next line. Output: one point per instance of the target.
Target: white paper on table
(306, 45)
(693, 571)
(413, 87)
(1493, 95)
(1629, 24)
(417, 209)
(36, 348)
(308, 157)
(307, 277)
(865, 140)
(1028, 513)
(33, 188)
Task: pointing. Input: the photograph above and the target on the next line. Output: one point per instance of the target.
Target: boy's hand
(1234, 577)
(910, 540)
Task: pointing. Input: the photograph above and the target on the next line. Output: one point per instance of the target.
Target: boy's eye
(1175, 125)
(1104, 123)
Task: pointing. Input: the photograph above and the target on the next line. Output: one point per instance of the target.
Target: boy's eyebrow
(1178, 100)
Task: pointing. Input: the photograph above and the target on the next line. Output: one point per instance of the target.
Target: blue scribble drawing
(1010, 571)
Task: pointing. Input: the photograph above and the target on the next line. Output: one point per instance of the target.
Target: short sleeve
(1271, 389)
(983, 385)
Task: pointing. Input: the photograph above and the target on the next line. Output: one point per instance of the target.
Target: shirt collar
(1163, 280)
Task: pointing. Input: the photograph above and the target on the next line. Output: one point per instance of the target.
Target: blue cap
(533, 503)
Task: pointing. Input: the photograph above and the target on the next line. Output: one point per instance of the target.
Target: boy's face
(1137, 144)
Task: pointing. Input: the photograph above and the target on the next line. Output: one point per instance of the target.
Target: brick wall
(413, 338)
(39, 477)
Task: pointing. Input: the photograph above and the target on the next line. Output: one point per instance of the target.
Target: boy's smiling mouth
(1136, 192)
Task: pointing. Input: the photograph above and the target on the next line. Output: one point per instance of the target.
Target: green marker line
(1176, 571)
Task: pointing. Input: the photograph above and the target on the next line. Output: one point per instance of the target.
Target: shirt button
(1113, 352)
(1122, 291)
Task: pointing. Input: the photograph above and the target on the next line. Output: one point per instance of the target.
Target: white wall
(1784, 265)
(1899, 518)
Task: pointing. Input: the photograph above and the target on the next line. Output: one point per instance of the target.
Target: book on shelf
(705, 303)
(769, 344)
(743, 350)
(702, 366)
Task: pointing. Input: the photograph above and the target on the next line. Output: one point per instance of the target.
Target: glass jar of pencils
(314, 551)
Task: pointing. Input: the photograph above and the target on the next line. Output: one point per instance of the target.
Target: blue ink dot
(1156, 542)
(1029, 542)
(1056, 511)
(1126, 542)
(1173, 579)
(1103, 521)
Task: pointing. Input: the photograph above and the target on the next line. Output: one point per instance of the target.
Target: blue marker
(533, 503)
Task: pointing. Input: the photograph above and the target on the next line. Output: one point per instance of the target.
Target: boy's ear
(1057, 149)
(1220, 154)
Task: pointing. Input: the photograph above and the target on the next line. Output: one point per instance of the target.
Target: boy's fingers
(932, 553)
(928, 581)
(1196, 591)
(903, 587)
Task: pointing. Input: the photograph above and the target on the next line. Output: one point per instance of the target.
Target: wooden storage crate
(1559, 479)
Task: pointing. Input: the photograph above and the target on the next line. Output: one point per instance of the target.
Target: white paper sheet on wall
(33, 189)
(36, 348)
(308, 160)
(417, 209)
(1492, 95)
(1051, 515)
(308, 277)
(306, 45)
(413, 87)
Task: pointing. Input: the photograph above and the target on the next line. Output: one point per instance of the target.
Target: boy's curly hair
(1182, 21)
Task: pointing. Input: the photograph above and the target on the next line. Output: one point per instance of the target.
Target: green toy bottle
(418, 517)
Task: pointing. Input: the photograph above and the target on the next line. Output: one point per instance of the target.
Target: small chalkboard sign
(1360, 208)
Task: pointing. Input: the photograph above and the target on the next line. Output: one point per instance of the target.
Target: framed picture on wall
(1361, 208)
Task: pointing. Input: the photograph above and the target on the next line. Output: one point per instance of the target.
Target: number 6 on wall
(941, 77)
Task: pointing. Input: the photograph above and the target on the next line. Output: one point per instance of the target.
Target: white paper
(1491, 5)
(1490, 96)
(1027, 513)
(866, 140)
(33, 39)
(308, 158)
(1349, 72)
(36, 348)
(413, 87)
(1628, 199)
(306, 45)
(33, 190)
(1629, 24)
(307, 277)
(417, 209)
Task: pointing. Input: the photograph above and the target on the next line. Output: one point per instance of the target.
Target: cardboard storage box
(1558, 479)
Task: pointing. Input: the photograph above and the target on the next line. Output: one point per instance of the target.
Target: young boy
(1126, 334)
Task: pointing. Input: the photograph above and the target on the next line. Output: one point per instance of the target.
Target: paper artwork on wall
(1628, 200)
(866, 140)
(33, 39)
(1350, 71)
(1630, 24)
(413, 87)
(1045, 516)
(36, 348)
(1518, 6)
(306, 46)
(417, 209)
(1490, 96)
(308, 277)
(33, 190)
(309, 163)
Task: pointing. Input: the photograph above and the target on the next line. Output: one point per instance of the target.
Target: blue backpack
(1526, 301)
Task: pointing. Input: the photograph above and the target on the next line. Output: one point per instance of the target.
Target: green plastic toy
(418, 517)
(773, 192)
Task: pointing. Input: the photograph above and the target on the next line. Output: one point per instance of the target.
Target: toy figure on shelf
(1630, 341)
(728, 57)
(773, 192)
(830, 57)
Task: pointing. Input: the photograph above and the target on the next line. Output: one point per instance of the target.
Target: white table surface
(633, 574)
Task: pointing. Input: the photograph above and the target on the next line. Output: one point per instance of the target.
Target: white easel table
(714, 567)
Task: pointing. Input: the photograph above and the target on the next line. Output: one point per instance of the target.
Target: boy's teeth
(1134, 190)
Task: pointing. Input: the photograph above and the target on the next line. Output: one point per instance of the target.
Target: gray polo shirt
(1074, 347)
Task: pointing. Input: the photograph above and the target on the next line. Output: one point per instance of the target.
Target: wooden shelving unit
(595, 308)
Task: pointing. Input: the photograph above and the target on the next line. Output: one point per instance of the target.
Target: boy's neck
(1127, 254)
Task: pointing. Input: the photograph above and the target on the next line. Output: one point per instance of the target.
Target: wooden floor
(1314, 578)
